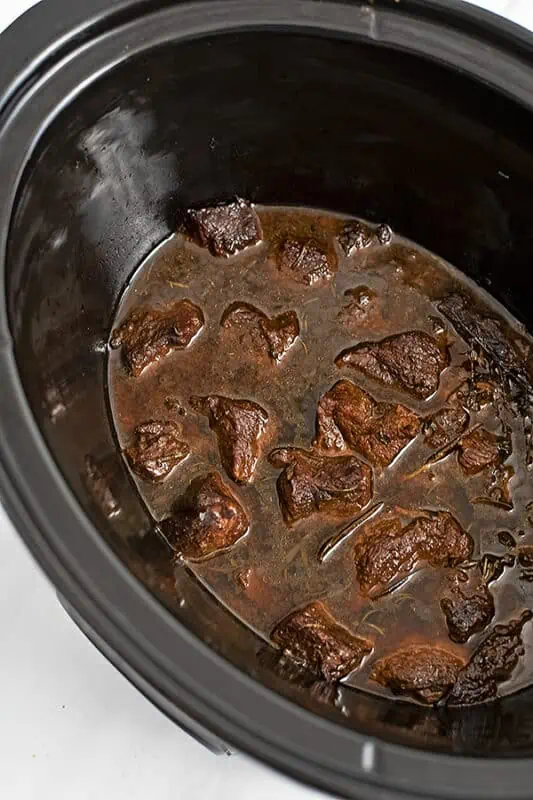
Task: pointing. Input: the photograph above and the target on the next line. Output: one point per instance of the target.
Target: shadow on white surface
(72, 727)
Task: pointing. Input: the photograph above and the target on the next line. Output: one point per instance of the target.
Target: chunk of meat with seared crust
(479, 450)
(312, 637)
(493, 662)
(239, 426)
(467, 611)
(277, 334)
(348, 417)
(311, 483)
(207, 519)
(306, 261)
(149, 334)
(420, 671)
(225, 229)
(411, 361)
(357, 236)
(156, 450)
(385, 552)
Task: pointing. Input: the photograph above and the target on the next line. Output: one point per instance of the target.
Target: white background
(71, 728)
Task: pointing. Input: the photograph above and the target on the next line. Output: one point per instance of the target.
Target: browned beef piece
(239, 426)
(492, 663)
(384, 234)
(306, 261)
(149, 334)
(312, 483)
(357, 236)
(226, 229)
(420, 671)
(277, 334)
(207, 519)
(312, 637)
(467, 612)
(477, 328)
(479, 450)
(156, 450)
(349, 417)
(385, 552)
(411, 361)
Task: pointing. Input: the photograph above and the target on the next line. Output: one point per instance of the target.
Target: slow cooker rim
(51, 28)
(26, 510)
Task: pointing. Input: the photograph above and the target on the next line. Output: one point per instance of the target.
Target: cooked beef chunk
(208, 518)
(149, 334)
(313, 637)
(239, 426)
(420, 671)
(225, 229)
(447, 424)
(349, 417)
(479, 450)
(492, 663)
(312, 483)
(385, 552)
(157, 449)
(411, 361)
(500, 357)
(306, 261)
(467, 612)
(277, 334)
(478, 329)
(357, 236)
(384, 234)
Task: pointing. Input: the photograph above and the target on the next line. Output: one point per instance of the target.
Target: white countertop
(71, 727)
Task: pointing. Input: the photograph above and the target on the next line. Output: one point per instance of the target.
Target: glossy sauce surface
(375, 292)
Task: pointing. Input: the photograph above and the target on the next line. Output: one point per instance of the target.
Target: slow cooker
(115, 114)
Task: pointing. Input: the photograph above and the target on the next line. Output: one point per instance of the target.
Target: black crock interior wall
(277, 118)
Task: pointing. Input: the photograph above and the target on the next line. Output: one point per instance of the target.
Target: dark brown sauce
(378, 292)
